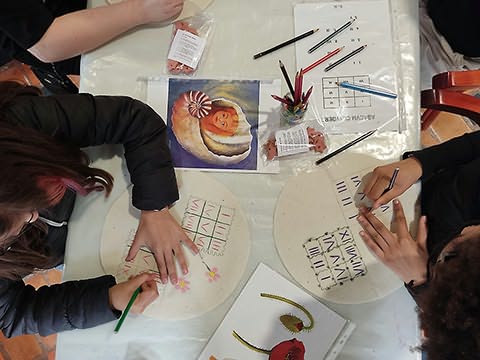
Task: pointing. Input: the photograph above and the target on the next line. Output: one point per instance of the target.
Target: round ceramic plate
(316, 232)
(212, 217)
(190, 7)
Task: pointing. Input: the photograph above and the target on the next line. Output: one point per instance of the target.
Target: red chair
(447, 94)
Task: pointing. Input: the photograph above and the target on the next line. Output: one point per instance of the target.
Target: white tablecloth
(385, 329)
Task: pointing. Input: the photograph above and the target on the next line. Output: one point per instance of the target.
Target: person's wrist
(416, 165)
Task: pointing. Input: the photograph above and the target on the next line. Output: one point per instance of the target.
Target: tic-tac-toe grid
(208, 225)
(334, 258)
(335, 96)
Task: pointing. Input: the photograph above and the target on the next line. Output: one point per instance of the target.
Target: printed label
(292, 141)
(187, 48)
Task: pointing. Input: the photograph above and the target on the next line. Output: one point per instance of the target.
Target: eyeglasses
(9, 242)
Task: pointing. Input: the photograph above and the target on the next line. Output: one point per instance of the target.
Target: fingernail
(360, 218)
(173, 279)
(396, 202)
(185, 271)
(362, 233)
(164, 280)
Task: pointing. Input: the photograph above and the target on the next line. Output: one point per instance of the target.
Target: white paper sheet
(256, 319)
(343, 110)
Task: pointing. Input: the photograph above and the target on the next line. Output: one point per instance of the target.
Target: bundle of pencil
(297, 100)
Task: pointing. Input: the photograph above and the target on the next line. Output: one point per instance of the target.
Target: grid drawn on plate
(335, 96)
(334, 258)
(208, 225)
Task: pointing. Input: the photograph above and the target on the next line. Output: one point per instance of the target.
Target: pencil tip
(315, 30)
(353, 20)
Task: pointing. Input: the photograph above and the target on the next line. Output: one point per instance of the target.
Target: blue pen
(366, 89)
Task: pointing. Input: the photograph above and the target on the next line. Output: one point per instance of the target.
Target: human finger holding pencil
(376, 186)
(121, 294)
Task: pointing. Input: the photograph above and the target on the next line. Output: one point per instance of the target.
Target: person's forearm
(81, 31)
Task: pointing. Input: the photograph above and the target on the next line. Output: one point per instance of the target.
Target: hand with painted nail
(410, 172)
(404, 255)
(120, 294)
(161, 233)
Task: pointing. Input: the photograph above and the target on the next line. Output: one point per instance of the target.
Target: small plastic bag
(304, 138)
(189, 40)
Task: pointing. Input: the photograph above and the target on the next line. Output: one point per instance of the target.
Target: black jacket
(450, 195)
(86, 120)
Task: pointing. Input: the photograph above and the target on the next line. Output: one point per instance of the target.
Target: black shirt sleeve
(87, 120)
(50, 309)
(25, 21)
(453, 153)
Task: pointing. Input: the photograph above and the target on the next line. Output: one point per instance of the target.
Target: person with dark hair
(440, 266)
(458, 22)
(50, 35)
(43, 169)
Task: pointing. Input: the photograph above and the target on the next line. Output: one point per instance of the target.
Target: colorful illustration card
(273, 319)
(216, 124)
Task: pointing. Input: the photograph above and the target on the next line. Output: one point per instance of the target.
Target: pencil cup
(293, 115)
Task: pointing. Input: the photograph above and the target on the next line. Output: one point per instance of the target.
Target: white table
(385, 329)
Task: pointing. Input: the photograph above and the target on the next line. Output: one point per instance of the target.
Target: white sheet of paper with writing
(343, 110)
(213, 219)
(324, 251)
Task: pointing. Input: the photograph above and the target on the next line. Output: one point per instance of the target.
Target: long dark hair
(36, 171)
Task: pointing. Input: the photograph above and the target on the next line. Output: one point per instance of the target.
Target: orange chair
(448, 94)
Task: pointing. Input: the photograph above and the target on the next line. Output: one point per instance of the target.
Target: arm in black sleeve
(25, 21)
(87, 120)
(50, 309)
(452, 153)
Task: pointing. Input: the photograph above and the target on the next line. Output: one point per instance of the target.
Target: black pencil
(346, 57)
(288, 42)
(345, 147)
(285, 75)
(329, 37)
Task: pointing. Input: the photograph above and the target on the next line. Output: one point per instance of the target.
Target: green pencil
(127, 309)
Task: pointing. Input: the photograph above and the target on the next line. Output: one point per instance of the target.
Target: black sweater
(450, 195)
(86, 120)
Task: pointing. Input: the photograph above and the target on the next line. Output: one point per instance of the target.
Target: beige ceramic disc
(213, 218)
(190, 7)
(316, 232)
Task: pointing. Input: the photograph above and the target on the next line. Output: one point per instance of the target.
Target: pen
(344, 147)
(287, 78)
(323, 59)
(336, 32)
(365, 89)
(392, 180)
(288, 42)
(127, 309)
(346, 57)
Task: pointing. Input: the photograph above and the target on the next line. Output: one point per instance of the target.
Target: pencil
(392, 180)
(288, 42)
(323, 59)
(344, 147)
(285, 75)
(127, 309)
(346, 57)
(366, 89)
(329, 37)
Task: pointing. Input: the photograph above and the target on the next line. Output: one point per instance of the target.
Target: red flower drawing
(288, 350)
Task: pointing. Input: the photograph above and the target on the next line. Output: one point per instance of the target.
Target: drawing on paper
(291, 322)
(213, 123)
(335, 96)
(208, 225)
